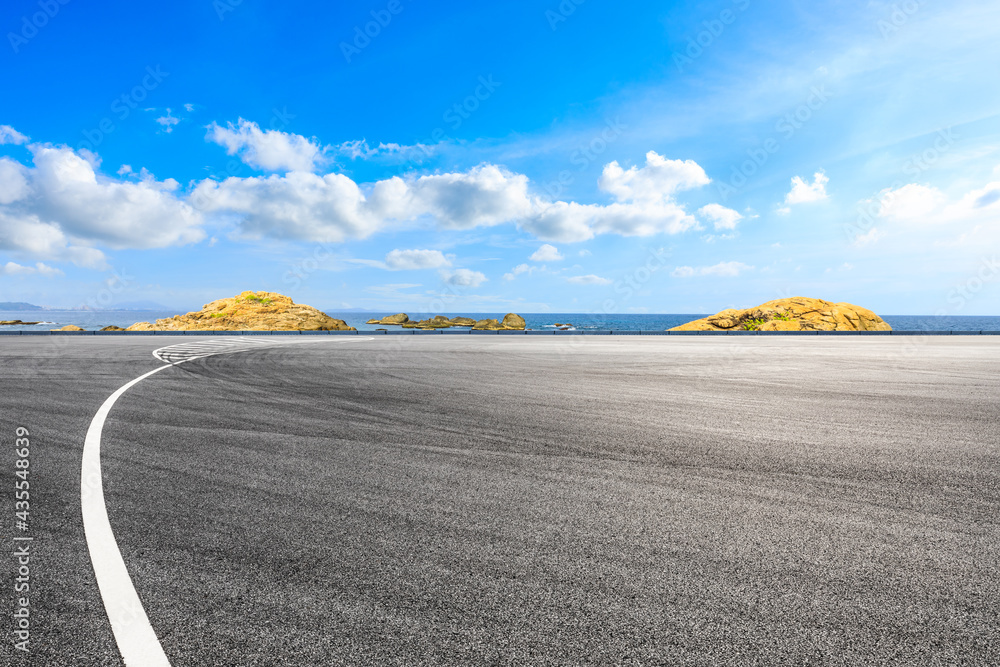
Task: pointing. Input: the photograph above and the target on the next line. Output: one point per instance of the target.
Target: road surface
(439, 500)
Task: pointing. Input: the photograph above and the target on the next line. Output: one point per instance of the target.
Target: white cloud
(13, 181)
(267, 150)
(871, 236)
(546, 253)
(400, 260)
(803, 193)
(483, 196)
(463, 278)
(14, 269)
(86, 205)
(644, 206)
(9, 135)
(570, 222)
(189, 107)
(915, 206)
(912, 203)
(655, 182)
(61, 207)
(333, 207)
(683, 272)
(722, 269)
(359, 149)
(25, 234)
(584, 253)
(168, 121)
(518, 270)
(589, 280)
(720, 216)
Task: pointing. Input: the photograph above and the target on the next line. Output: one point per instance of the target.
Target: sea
(95, 320)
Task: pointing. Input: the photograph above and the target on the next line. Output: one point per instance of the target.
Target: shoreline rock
(401, 318)
(794, 314)
(510, 322)
(249, 311)
(15, 323)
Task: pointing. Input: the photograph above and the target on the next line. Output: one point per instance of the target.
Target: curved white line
(136, 638)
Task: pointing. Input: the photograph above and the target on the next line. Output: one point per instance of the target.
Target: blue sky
(574, 156)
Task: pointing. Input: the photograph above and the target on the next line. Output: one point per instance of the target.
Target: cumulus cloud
(912, 203)
(86, 205)
(333, 207)
(720, 216)
(463, 278)
(518, 270)
(589, 280)
(644, 206)
(804, 193)
(722, 269)
(399, 260)
(61, 207)
(168, 121)
(13, 181)
(14, 269)
(9, 135)
(483, 196)
(655, 182)
(26, 234)
(570, 222)
(546, 253)
(267, 150)
(970, 217)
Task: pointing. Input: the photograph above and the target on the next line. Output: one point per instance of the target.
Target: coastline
(546, 322)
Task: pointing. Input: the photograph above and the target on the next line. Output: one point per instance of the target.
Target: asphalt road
(439, 500)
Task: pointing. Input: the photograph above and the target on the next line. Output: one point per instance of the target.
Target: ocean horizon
(95, 320)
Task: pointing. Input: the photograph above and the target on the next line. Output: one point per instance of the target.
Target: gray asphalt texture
(523, 501)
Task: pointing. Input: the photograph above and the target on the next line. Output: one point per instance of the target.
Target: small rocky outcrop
(13, 322)
(401, 318)
(249, 311)
(793, 314)
(510, 321)
(112, 327)
(436, 322)
(69, 327)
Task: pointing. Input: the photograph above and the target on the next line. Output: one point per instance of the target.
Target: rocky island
(794, 314)
(249, 311)
(510, 322)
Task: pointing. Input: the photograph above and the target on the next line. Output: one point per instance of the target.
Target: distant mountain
(18, 305)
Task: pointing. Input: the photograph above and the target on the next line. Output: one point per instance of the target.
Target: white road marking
(184, 351)
(136, 638)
